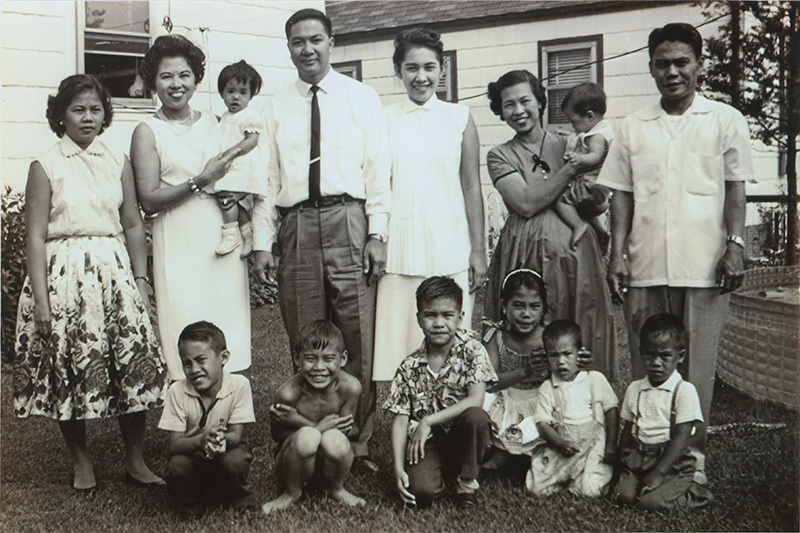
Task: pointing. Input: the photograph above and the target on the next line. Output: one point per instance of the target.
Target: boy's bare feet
(284, 501)
(577, 233)
(347, 498)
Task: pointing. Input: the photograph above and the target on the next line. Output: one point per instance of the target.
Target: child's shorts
(588, 198)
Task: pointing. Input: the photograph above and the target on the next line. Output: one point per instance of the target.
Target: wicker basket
(759, 352)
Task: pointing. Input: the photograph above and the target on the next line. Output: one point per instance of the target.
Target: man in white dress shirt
(678, 169)
(329, 182)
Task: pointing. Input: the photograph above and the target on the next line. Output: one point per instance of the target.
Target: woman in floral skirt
(85, 346)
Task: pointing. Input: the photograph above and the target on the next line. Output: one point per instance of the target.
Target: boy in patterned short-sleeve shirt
(440, 431)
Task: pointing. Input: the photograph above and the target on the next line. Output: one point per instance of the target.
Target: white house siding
(39, 49)
(484, 54)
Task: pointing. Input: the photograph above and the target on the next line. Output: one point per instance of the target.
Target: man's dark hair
(676, 31)
(309, 14)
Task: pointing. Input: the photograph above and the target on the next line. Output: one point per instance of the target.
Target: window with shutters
(447, 89)
(565, 63)
(113, 37)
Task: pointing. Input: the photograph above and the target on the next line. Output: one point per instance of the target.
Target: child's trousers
(194, 481)
(451, 455)
(677, 487)
(584, 473)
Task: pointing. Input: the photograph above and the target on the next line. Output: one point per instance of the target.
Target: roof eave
(540, 13)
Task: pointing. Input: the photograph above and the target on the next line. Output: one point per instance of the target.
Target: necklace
(538, 162)
(188, 121)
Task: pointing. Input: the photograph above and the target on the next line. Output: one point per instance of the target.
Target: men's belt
(323, 201)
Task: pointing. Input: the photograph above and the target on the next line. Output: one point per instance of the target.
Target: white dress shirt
(354, 152)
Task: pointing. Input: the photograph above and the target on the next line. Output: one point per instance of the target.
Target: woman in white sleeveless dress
(436, 227)
(192, 283)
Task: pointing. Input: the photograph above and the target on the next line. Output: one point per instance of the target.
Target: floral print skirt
(102, 357)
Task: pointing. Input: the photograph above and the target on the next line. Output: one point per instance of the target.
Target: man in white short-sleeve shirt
(678, 169)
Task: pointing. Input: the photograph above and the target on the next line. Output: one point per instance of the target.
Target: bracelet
(735, 239)
(146, 278)
(193, 186)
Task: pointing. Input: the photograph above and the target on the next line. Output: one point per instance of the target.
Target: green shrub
(13, 266)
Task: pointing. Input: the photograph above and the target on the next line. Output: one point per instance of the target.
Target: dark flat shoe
(130, 480)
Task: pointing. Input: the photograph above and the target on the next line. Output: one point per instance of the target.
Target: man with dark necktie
(329, 182)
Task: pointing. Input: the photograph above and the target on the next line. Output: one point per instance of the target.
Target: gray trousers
(321, 276)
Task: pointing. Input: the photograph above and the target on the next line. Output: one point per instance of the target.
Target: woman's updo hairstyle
(509, 79)
(423, 37)
(172, 46)
(68, 89)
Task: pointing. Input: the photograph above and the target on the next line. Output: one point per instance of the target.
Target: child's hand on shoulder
(585, 358)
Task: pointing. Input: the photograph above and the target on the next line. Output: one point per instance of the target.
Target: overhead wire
(603, 60)
(169, 25)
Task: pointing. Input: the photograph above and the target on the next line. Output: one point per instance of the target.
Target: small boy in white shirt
(205, 415)
(576, 415)
(659, 415)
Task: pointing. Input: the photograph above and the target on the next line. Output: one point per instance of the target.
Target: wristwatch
(735, 239)
(379, 236)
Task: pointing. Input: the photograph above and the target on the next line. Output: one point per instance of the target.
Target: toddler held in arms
(584, 200)
(240, 128)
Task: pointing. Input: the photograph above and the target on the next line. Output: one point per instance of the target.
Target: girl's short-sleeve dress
(575, 279)
(192, 282)
(428, 232)
(511, 410)
(248, 172)
(102, 357)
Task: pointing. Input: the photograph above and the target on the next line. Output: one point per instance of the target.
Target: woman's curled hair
(509, 79)
(171, 46)
(68, 89)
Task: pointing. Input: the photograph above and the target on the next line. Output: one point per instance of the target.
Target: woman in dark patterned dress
(530, 173)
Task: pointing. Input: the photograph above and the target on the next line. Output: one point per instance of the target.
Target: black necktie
(313, 165)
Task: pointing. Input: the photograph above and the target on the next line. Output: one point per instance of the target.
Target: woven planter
(759, 352)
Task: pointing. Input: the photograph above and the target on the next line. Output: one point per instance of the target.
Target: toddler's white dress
(248, 172)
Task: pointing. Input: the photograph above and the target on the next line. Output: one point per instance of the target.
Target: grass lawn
(752, 472)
